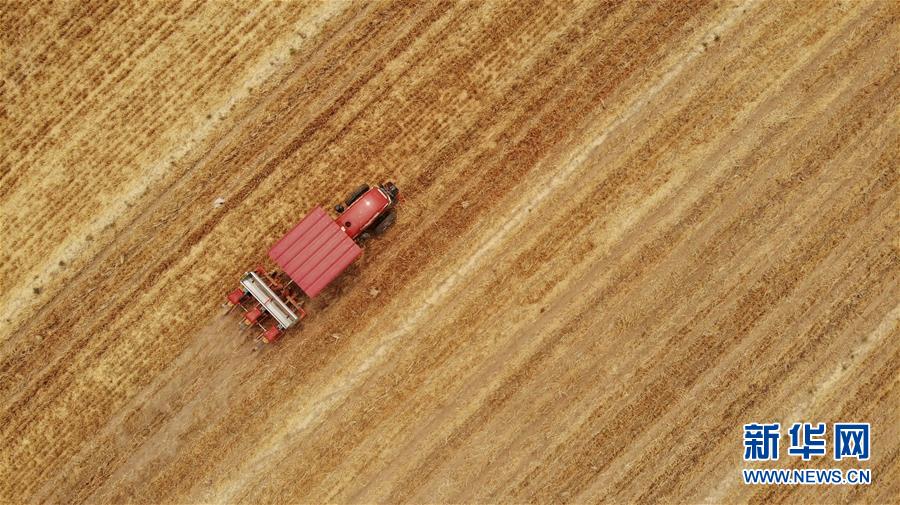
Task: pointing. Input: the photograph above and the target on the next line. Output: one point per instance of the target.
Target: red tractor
(310, 256)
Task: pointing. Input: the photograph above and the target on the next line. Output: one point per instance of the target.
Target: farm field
(626, 230)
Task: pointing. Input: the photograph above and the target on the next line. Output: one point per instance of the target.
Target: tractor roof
(315, 252)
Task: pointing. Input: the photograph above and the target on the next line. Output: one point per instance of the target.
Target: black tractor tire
(386, 221)
(360, 191)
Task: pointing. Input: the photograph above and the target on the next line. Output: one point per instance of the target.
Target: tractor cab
(368, 209)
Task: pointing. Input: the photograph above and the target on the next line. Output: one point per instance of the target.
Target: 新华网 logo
(807, 441)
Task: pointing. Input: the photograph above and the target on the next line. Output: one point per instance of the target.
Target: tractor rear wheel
(360, 191)
(386, 221)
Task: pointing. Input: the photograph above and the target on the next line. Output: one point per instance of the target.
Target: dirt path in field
(627, 229)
